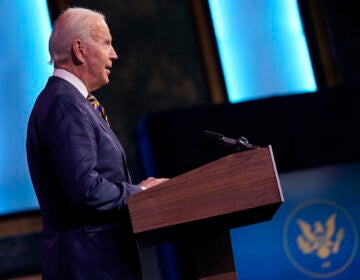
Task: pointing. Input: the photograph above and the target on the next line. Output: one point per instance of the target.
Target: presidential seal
(320, 238)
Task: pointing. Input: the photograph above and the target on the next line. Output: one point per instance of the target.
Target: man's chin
(105, 81)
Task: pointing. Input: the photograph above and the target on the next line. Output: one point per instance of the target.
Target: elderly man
(77, 164)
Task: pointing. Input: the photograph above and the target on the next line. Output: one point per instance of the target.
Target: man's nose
(113, 54)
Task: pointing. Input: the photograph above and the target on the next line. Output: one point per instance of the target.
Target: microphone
(236, 145)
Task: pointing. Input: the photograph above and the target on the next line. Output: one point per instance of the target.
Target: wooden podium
(199, 207)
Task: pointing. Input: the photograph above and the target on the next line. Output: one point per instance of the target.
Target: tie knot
(92, 99)
(97, 106)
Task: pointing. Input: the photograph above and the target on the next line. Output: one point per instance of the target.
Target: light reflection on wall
(262, 48)
(25, 28)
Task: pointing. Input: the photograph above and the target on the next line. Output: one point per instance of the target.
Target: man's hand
(151, 181)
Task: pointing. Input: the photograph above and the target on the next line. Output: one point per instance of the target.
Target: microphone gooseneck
(236, 145)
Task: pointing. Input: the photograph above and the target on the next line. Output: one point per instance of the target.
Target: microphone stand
(238, 145)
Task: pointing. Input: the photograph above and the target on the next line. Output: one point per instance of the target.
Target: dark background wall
(160, 74)
(304, 130)
(342, 24)
(332, 30)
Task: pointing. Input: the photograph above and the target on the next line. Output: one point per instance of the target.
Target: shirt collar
(72, 79)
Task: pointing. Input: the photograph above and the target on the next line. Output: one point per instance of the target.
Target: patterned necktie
(98, 107)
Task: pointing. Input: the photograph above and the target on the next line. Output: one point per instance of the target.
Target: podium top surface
(232, 184)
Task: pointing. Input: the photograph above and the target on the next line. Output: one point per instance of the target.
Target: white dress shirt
(72, 79)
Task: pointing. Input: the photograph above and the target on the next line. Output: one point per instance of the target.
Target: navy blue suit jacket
(78, 169)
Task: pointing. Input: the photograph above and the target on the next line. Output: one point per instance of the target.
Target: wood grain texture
(232, 184)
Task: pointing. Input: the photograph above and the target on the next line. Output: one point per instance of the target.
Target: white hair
(72, 24)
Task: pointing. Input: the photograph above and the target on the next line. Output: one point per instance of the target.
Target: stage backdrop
(262, 48)
(315, 233)
(24, 69)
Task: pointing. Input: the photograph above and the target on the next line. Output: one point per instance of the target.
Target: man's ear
(77, 52)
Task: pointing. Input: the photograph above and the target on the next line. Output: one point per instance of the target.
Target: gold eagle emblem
(321, 239)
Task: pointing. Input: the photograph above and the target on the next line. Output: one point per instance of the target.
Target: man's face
(99, 56)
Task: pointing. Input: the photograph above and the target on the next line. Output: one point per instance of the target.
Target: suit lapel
(108, 130)
(104, 125)
(99, 120)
